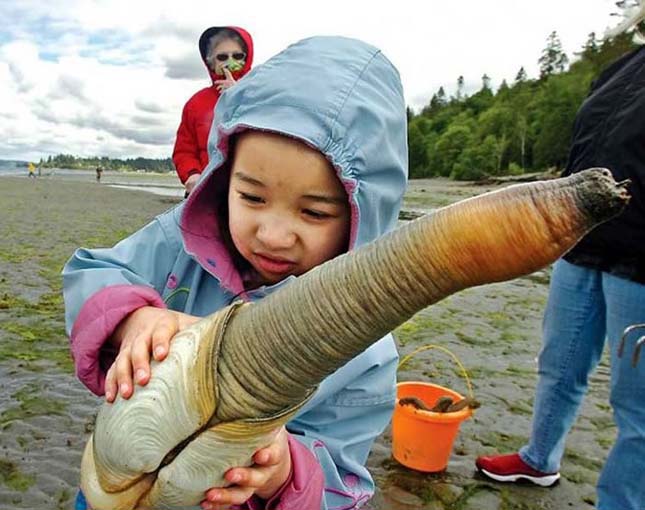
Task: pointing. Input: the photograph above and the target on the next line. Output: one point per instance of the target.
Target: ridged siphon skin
(319, 322)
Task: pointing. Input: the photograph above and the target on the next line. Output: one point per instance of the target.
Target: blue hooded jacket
(341, 97)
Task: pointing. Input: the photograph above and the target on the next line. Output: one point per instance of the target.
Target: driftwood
(551, 173)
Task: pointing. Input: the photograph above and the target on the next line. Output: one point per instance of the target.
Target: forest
(524, 126)
(129, 164)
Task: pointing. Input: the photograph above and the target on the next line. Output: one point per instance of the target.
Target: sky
(110, 78)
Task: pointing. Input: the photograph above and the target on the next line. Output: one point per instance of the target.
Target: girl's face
(288, 212)
(230, 49)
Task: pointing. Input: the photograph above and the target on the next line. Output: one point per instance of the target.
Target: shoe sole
(542, 481)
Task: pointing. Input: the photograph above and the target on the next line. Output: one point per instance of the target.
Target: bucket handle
(446, 351)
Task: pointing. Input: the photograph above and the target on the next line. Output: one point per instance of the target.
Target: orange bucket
(423, 440)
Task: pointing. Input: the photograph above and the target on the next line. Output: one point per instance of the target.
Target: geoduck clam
(234, 377)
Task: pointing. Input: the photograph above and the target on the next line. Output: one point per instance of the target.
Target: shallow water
(157, 190)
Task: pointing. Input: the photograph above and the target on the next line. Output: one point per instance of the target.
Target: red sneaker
(511, 468)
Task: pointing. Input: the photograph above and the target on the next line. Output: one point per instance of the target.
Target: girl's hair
(222, 183)
(223, 35)
(241, 264)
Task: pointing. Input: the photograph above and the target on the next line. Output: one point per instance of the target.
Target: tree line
(129, 164)
(522, 127)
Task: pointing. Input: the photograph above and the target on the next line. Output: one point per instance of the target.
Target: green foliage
(522, 127)
(556, 107)
(131, 164)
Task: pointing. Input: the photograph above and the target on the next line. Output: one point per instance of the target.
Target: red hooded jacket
(190, 155)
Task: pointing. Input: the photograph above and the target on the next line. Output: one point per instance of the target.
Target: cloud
(148, 106)
(185, 67)
(22, 60)
(68, 86)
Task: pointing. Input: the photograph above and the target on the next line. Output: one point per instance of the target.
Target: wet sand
(46, 415)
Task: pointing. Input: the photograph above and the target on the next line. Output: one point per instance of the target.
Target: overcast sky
(109, 78)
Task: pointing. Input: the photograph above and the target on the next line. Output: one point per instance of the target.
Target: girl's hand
(270, 471)
(227, 82)
(146, 330)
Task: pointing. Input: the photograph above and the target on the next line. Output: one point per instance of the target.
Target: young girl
(227, 53)
(308, 159)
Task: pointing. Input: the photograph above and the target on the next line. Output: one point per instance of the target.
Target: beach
(46, 415)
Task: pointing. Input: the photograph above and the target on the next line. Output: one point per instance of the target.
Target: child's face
(288, 212)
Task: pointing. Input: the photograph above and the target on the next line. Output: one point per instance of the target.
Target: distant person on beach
(31, 169)
(227, 53)
(99, 171)
(284, 191)
(596, 291)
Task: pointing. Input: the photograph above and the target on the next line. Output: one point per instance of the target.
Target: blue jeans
(585, 306)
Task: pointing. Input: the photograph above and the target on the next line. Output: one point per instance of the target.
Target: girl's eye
(319, 215)
(251, 198)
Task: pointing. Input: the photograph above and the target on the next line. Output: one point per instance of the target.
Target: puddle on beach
(163, 191)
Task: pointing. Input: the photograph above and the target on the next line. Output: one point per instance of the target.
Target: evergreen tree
(591, 46)
(460, 89)
(553, 60)
(486, 82)
(521, 76)
(441, 97)
(437, 102)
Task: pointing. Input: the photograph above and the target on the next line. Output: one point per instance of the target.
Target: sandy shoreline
(46, 415)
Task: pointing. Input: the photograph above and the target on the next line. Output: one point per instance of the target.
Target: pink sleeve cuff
(303, 490)
(94, 325)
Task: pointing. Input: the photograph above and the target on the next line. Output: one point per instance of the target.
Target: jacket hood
(338, 95)
(203, 50)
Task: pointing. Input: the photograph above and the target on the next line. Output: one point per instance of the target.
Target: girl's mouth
(271, 265)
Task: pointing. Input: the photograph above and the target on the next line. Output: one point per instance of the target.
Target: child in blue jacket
(308, 159)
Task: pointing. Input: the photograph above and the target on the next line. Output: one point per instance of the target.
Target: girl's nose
(276, 234)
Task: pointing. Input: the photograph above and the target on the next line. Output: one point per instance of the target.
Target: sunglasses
(236, 55)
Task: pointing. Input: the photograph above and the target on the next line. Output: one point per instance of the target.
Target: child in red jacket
(227, 53)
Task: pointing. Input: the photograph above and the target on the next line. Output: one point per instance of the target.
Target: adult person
(596, 291)
(227, 53)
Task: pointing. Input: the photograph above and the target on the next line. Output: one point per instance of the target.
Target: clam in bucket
(421, 439)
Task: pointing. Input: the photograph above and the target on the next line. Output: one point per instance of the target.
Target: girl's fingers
(164, 330)
(111, 386)
(140, 352)
(272, 454)
(255, 477)
(234, 495)
(266, 457)
(123, 371)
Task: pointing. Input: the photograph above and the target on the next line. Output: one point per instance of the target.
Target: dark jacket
(189, 155)
(609, 132)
